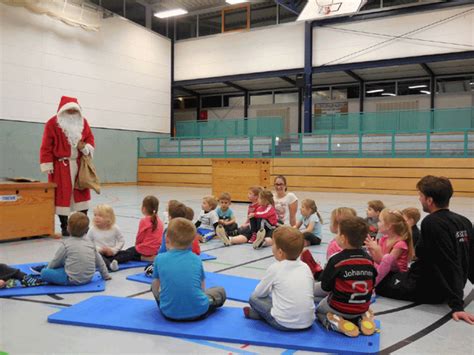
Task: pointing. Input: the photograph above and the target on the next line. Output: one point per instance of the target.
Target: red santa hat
(69, 103)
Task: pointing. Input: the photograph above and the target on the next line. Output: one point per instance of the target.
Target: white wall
(336, 44)
(121, 74)
(282, 47)
(259, 50)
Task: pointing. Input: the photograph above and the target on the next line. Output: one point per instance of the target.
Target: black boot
(63, 221)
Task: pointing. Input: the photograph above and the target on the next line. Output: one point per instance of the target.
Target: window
(353, 92)
(321, 94)
(210, 23)
(113, 5)
(261, 98)
(160, 25)
(211, 101)
(186, 27)
(455, 84)
(236, 18)
(282, 97)
(380, 90)
(286, 15)
(181, 103)
(415, 87)
(233, 100)
(263, 14)
(135, 12)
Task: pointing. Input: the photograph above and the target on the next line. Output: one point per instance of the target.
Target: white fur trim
(46, 167)
(69, 106)
(88, 150)
(66, 211)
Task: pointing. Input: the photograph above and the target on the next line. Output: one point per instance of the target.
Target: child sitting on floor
(148, 240)
(395, 249)
(310, 222)
(337, 215)
(349, 278)
(9, 277)
(179, 285)
(374, 208)
(76, 260)
(244, 233)
(412, 216)
(226, 215)
(264, 220)
(208, 219)
(106, 236)
(284, 297)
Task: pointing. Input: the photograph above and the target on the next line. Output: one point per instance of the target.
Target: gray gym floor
(423, 329)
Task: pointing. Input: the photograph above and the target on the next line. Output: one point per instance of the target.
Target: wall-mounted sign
(8, 198)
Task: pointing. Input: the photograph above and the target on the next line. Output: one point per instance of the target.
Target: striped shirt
(349, 277)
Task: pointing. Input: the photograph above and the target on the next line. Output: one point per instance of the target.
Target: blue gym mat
(139, 315)
(237, 288)
(97, 285)
(205, 257)
(136, 264)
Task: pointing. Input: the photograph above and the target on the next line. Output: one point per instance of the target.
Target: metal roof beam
(427, 69)
(353, 75)
(288, 80)
(235, 86)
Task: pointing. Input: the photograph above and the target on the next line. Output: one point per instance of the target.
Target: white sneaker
(220, 232)
(114, 266)
(260, 240)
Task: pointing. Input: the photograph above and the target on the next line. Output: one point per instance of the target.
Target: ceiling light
(170, 13)
(425, 92)
(233, 2)
(388, 94)
(374, 91)
(418, 86)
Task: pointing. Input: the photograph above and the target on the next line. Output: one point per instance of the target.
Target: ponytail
(319, 216)
(150, 204)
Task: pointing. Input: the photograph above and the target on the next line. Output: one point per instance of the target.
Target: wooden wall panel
(377, 175)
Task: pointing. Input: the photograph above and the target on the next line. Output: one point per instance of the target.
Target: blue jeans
(55, 276)
(260, 309)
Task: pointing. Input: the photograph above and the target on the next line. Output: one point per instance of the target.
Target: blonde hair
(211, 201)
(225, 196)
(106, 212)
(311, 205)
(340, 213)
(413, 213)
(181, 232)
(267, 196)
(394, 220)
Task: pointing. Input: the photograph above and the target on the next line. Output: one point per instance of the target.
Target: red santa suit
(59, 155)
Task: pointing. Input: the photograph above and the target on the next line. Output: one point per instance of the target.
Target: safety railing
(453, 143)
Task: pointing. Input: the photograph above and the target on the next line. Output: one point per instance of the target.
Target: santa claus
(67, 136)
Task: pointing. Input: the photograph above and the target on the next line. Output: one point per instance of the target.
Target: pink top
(402, 261)
(148, 241)
(333, 248)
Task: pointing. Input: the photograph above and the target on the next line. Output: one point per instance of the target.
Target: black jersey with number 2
(349, 277)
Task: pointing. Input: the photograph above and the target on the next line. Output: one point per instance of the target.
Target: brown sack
(87, 177)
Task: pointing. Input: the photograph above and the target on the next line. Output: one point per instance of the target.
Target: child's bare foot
(2, 284)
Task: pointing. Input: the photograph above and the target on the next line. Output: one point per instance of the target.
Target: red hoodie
(148, 241)
(268, 213)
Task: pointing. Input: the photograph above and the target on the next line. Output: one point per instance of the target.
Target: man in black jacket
(445, 254)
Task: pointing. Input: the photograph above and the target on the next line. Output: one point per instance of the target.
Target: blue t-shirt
(224, 215)
(317, 229)
(180, 273)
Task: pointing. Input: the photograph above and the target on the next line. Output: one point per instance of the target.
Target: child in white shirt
(106, 236)
(208, 219)
(284, 297)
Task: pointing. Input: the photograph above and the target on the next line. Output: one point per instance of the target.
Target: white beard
(72, 126)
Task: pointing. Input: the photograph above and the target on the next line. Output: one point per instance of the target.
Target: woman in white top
(286, 203)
